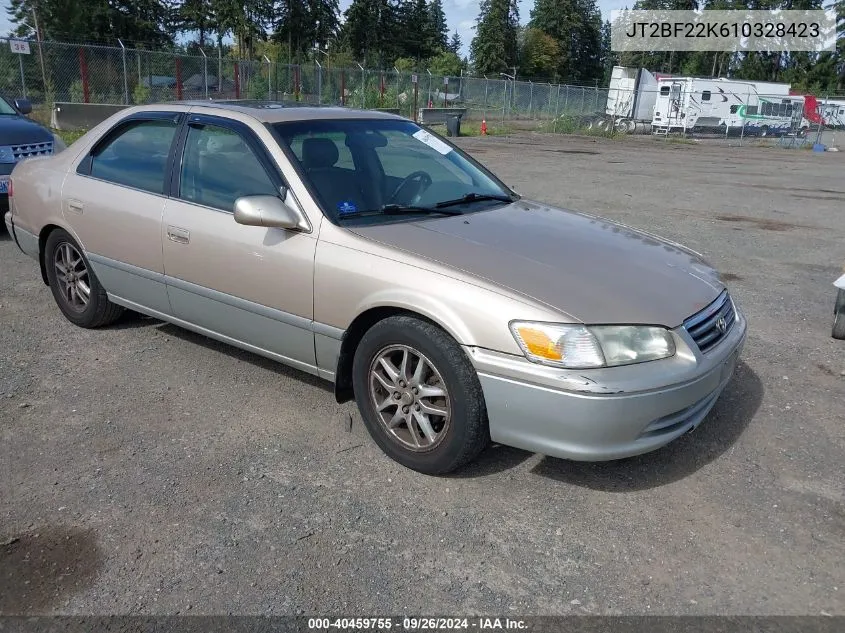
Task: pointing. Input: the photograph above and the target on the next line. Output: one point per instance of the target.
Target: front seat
(336, 187)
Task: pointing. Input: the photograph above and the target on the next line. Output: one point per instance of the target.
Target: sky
(460, 15)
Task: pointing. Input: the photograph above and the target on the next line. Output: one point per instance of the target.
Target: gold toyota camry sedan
(364, 249)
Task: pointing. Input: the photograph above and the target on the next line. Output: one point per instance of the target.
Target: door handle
(178, 235)
(75, 205)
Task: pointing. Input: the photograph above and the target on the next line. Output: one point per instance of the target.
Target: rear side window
(705, 96)
(137, 156)
(664, 90)
(219, 167)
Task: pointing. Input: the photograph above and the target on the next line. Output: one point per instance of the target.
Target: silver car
(364, 249)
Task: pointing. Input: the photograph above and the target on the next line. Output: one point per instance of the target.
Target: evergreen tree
(370, 31)
(576, 25)
(438, 29)
(455, 43)
(494, 47)
(325, 20)
(105, 21)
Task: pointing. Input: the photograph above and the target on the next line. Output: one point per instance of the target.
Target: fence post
(178, 79)
(381, 88)
(363, 87)
(557, 109)
(83, 71)
(319, 81)
(486, 86)
(219, 69)
(269, 80)
(237, 80)
(296, 82)
(343, 87)
(504, 100)
(204, 72)
(530, 98)
(23, 80)
(125, 78)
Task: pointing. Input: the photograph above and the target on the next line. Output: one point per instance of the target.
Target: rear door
(114, 201)
(251, 284)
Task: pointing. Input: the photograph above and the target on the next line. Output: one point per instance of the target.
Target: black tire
(99, 310)
(467, 433)
(839, 316)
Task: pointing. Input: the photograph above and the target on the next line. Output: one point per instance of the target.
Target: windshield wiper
(398, 209)
(472, 197)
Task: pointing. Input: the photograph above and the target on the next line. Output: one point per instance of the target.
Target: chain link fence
(51, 72)
(55, 72)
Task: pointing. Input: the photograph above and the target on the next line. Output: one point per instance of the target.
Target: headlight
(58, 144)
(6, 154)
(580, 346)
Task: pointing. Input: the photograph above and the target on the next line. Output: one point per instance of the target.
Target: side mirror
(23, 105)
(270, 212)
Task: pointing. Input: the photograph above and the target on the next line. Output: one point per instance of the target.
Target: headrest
(319, 153)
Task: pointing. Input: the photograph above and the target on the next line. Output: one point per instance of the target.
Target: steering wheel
(420, 178)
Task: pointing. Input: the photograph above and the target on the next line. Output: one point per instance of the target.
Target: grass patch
(69, 136)
(473, 128)
(679, 140)
(581, 125)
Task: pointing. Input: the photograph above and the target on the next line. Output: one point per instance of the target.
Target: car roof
(279, 111)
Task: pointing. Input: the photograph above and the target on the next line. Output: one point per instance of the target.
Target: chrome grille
(29, 150)
(713, 323)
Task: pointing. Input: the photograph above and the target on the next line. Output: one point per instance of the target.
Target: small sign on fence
(445, 81)
(21, 47)
(413, 79)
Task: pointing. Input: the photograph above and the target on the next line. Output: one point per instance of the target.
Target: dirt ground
(148, 470)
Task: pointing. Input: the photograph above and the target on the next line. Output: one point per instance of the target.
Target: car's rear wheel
(419, 395)
(75, 287)
(839, 316)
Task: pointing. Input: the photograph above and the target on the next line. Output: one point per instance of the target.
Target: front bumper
(598, 415)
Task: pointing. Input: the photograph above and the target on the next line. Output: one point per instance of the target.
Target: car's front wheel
(75, 287)
(419, 395)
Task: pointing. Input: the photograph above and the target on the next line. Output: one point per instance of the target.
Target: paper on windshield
(432, 141)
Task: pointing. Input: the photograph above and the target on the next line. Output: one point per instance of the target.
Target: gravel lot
(146, 469)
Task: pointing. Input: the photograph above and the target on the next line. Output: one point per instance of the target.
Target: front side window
(219, 167)
(137, 156)
(381, 169)
(6, 107)
(705, 96)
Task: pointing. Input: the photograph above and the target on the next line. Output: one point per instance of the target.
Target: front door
(676, 108)
(250, 284)
(115, 199)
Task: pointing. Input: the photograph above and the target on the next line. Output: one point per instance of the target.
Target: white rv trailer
(833, 113)
(630, 99)
(696, 104)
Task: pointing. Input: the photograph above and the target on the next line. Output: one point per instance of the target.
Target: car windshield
(6, 107)
(380, 170)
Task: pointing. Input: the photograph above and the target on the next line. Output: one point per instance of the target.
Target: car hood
(17, 130)
(595, 270)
